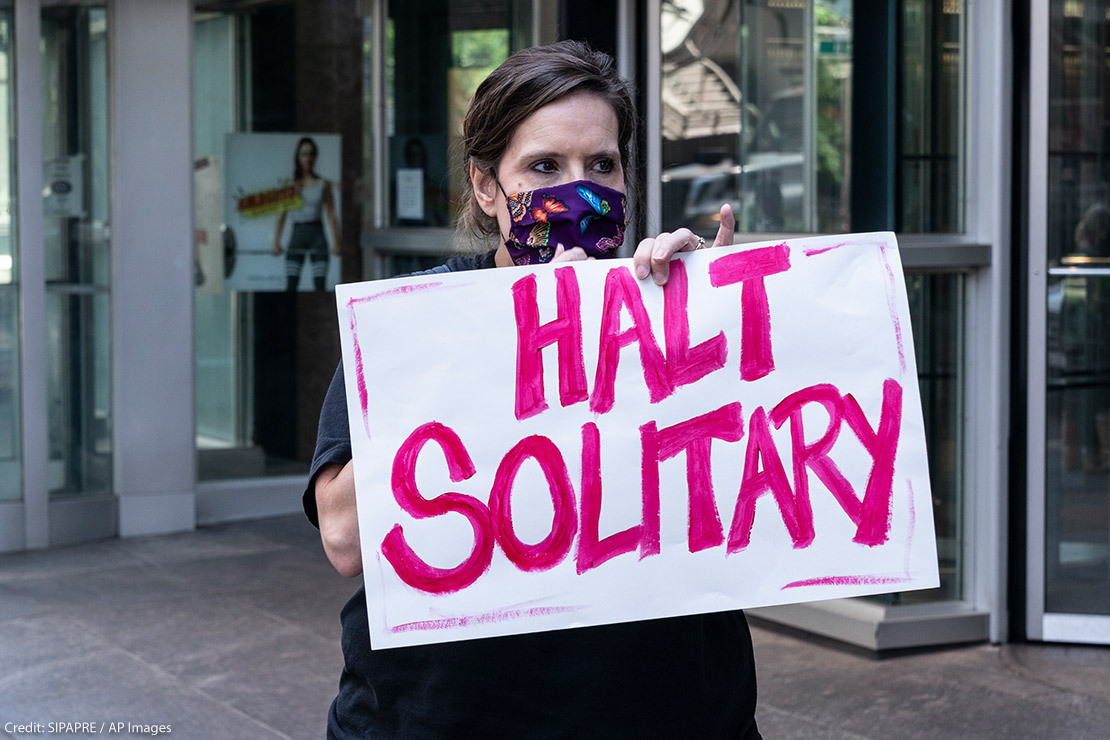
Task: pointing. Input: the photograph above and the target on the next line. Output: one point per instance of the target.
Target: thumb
(727, 229)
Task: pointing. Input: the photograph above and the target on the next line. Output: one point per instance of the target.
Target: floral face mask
(575, 214)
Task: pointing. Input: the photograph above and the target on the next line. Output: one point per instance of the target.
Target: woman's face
(306, 155)
(574, 138)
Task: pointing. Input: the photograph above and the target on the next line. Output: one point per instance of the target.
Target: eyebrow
(547, 154)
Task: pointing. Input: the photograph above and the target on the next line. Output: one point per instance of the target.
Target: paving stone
(233, 632)
(104, 686)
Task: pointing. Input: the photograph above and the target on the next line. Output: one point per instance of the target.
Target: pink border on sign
(512, 612)
(505, 614)
(892, 283)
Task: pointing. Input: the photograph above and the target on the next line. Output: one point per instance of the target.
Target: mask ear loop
(497, 180)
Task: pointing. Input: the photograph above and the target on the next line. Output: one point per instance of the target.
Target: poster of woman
(283, 206)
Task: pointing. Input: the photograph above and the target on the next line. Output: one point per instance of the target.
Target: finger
(682, 240)
(727, 229)
(687, 241)
(664, 248)
(660, 272)
(641, 258)
(666, 245)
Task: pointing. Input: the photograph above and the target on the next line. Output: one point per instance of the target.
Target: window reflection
(758, 103)
(932, 128)
(755, 96)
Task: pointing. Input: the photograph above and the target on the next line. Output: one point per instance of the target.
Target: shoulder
(462, 262)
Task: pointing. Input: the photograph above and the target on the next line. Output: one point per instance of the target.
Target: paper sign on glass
(410, 194)
(564, 445)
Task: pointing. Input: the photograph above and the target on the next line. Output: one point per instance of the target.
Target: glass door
(1070, 339)
(76, 248)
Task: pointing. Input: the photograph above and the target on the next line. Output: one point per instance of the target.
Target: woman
(549, 125)
(308, 239)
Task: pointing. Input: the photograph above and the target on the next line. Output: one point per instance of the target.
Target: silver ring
(700, 244)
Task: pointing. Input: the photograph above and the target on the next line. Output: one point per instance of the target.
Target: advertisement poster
(564, 445)
(282, 207)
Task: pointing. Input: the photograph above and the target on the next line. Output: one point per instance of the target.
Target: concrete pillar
(152, 265)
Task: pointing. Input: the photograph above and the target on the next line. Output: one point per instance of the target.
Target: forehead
(580, 121)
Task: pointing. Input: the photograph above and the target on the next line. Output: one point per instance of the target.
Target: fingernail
(641, 272)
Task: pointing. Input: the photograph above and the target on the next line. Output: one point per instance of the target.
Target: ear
(485, 190)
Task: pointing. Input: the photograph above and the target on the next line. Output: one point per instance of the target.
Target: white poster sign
(557, 446)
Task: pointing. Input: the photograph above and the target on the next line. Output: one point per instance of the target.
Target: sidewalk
(233, 632)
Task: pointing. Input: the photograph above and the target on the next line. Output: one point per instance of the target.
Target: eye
(605, 166)
(545, 166)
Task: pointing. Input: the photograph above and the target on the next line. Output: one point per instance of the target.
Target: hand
(653, 256)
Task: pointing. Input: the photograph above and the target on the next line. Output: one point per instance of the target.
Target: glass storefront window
(762, 101)
(11, 485)
(930, 157)
(76, 247)
(437, 53)
(218, 377)
(244, 339)
(265, 356)
(755, 99)
(1077, 434)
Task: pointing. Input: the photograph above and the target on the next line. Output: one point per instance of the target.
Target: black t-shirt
(684, 677)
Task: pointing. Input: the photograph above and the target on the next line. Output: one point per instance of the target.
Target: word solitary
(663, 372)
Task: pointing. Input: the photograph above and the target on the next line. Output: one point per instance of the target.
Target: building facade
(166, 341)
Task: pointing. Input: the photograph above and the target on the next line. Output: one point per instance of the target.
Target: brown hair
(524, 83)
(298, 173)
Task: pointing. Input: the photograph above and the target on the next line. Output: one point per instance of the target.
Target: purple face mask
(575, 214)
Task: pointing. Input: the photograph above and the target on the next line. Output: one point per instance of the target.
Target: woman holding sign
(547, 141)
